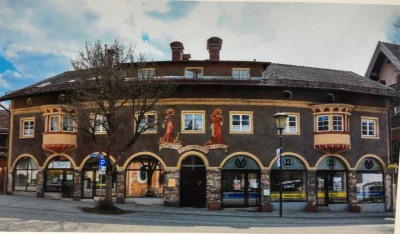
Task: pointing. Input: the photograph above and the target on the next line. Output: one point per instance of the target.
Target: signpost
(102, 166)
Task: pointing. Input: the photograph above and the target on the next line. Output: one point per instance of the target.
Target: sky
(39, 38)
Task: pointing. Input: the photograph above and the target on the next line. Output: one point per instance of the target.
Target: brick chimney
(177, 50)
(214, 45)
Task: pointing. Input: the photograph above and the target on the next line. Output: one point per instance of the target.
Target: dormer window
(240, 73)
(194, 72)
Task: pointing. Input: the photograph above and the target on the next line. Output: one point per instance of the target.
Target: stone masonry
(171, 193)
(213, 185)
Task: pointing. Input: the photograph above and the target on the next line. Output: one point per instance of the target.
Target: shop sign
(61, 164)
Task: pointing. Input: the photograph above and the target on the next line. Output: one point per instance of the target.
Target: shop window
(240, 73)
(369, 127)
(145, 73)
(94, 184)
(292, 126)
(144, 177)
(294, 183)
(27, 127)
(193, 122)
(59, 177)
(370, 186)
(241, 122)
(148, 123)
(25, 175)
(194, 72)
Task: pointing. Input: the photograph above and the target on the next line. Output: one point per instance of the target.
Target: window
(144, 177)
(241, 122)
(292, 126)
(100, 124)
(323, 123)
(337, 123)
(370, 187)
(240, 73)
(369, 127)
(25, 175)
(294, 183)
(193, 121)
(194, 72)
(144, 73)
(54, 124)
(27, 127)
(68, 123)
(148, 123)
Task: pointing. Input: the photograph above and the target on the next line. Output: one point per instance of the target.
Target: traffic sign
(102, 166)
(95, 155)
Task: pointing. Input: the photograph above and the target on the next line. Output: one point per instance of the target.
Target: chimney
(214, 45)
(177, 50)
(186, 57)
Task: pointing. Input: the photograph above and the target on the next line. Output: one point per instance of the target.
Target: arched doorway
(93, 184)
(331, 181)
(193, 182)
(25, 175)
(144, 177)
(241, 183)
(370, 182)
(59, 177)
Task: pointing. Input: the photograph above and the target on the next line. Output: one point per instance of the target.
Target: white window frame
(341, 123)
(31, 127)
(374, 120)
(145, 115)
(99, 118)
(318, 121)
(286, 130)
(57, 125)
(241, 130)
(144, 73)
(192, 75)
(64, 117)
(241, 75)
(183, 117)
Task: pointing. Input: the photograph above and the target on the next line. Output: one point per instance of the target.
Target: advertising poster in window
(337, 183)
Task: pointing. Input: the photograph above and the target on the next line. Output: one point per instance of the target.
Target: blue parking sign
(102, 162)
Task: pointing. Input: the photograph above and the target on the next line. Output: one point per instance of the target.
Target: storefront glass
(144, 177)
(294, 184)
(241, 182)
(331, 181)
(59, 177)
(370, 186)
(25, 175)
(94, 184)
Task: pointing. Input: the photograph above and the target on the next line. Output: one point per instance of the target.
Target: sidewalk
(67, 205)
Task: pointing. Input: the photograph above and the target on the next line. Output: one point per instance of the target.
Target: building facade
(4, 130)
(215, 142)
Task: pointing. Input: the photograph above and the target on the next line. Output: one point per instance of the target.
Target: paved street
(28, 214)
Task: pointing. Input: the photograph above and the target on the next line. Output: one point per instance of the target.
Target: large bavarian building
(218, 146)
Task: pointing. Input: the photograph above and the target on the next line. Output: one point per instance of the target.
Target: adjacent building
(216, 146)
(4, 130)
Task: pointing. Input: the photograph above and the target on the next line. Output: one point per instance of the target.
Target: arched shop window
(294, 184)
(370, 186)
(25, 175)
(59, 177)
(240, 182)
(331, 181)
(144, 177)
(94, 184)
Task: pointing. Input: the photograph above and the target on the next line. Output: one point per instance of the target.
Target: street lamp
(280, 119)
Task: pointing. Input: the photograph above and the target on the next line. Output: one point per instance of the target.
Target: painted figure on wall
(216, 128)
(168, 124)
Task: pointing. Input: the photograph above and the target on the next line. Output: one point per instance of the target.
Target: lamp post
(280, 119)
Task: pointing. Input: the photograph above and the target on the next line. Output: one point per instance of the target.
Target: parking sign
(102, 166)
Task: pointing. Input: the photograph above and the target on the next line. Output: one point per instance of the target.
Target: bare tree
(110, 88)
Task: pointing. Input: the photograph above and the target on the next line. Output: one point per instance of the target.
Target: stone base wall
(120, 190)
(77, 185)
(352, 188)
(265, 184)
(213, 178)
(171, 187)
(388, 191)
(40, 184)
(311, 187)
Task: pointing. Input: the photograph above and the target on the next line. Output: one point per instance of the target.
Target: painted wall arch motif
(331, 163)
(241, 162)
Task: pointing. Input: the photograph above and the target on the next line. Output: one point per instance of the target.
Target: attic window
(44, 84)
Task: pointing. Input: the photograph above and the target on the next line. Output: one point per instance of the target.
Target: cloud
(176, 10)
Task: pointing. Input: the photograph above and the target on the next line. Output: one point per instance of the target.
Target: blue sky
(39, 38)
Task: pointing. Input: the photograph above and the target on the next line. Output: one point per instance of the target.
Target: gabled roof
(4, 119)
(384, 49)
(275, 75)
(320, 78)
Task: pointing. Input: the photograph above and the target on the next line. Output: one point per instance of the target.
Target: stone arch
(87, 158)
(193, 153)
(301, 158)
(252, 156)
(51, 157)
(343, 159)
(381, 162)
(144, 153)
(23, 156)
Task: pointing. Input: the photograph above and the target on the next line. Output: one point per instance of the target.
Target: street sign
(95, 155)
(102, 166)
(278, 157)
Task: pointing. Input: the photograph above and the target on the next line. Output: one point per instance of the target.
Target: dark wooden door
(193, 187)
